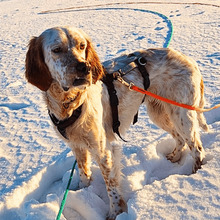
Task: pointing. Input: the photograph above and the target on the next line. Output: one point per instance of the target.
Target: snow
(35, 164)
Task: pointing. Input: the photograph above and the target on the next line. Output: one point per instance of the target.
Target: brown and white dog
(64, 65)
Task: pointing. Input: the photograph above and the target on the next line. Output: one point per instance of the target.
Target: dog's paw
(116, 209)
(85, 182)
(197, 165)
(109, 218)
(173, 157)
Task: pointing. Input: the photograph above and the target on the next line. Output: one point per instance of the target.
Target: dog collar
(61, 125)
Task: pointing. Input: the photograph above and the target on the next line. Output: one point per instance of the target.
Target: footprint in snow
(120, 51)
(159, 28)
(173, 12)
(14, 106)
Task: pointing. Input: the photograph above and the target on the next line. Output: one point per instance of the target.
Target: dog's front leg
(111, 172)
(83, 158)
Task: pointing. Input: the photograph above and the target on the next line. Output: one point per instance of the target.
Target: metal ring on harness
(142, 61)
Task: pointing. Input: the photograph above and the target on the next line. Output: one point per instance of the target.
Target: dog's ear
(93, 59)
(37, 72)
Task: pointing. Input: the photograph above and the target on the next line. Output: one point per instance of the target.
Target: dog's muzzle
(83, 70)
(83, 67)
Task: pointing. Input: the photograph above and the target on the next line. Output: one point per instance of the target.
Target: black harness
(113, 98)
(108, 80)
(140, 63)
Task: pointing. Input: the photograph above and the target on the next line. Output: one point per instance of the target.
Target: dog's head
(65, 55)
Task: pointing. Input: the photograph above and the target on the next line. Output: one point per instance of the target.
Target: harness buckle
(117, 74)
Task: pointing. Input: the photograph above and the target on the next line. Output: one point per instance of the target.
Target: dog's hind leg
(200, 115)
(176, 154)
(161, 116)
(187, 125)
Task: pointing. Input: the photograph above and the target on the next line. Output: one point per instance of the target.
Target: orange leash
(138, 89)
(190, 107)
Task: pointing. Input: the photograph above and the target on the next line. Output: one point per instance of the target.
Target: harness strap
(141, 62)
(108, 80)
(63, 124)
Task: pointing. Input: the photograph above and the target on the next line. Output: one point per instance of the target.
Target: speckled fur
(172, 75)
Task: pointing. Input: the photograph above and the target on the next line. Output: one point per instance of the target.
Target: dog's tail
(200, 115)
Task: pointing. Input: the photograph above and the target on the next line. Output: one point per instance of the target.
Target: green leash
(66, 192)
(166, 44)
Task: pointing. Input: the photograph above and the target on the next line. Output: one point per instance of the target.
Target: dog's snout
(82, 67)
(65, 88)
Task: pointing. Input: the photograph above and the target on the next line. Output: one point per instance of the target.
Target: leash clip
(131, 85)
(117, 75)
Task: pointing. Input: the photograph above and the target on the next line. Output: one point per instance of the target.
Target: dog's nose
(82, 67)
(65, 88)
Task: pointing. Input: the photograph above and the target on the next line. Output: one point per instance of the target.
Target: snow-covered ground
(35, 164)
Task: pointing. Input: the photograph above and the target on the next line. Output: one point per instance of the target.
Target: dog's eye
(82, 46)
(57, 50)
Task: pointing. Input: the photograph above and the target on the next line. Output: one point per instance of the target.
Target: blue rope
(164, 17)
